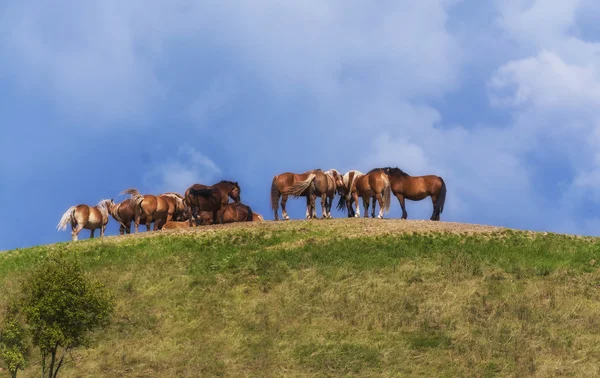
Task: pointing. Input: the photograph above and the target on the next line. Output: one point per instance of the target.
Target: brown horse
(124, 213)
(175, 225)
(154, 208)
(416, 188)
(88, 217)
(375, 184)
(212, 198)
(334, 180)
(309, 184)
(176, 206)
(236, 212)
(256, 217)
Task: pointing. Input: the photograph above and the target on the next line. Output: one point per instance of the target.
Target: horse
(308, 184)
(88, 217)
(375, 184)
(347, 192)
(256, 217)
(124, 213)
(416, 188)
(176, 206)
(334, 180)
(154, 208)
(236, 212)
(200, 197)
(175, 225)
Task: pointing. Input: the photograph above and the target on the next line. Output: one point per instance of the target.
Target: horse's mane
(390, 171)
(228, 182)
(103, 207)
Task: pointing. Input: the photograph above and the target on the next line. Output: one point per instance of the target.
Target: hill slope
(338, 297)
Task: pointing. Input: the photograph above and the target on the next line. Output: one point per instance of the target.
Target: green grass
(322, 298)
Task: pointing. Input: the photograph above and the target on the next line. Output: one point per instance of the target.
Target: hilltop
(361, 297)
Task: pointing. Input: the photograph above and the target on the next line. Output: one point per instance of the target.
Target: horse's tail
(131, 191)
(274, 194)
(341, 205)
(300, 187)
(387, 193)
(66, 218)
(441, 200)
(249, 216)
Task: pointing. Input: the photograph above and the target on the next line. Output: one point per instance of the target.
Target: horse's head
(235, 192)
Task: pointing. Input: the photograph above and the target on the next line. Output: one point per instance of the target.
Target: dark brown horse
(124, 214)
(88, 217)
(236, 212)
(416, 188)
(309, 184)
(154, 208)
(375, 185)
(200, 197)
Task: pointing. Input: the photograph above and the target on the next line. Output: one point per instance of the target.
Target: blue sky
(500, 98)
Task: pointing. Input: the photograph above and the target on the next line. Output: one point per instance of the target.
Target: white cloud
(177, 174)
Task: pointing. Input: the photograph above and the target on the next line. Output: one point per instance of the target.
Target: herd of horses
(203, 205)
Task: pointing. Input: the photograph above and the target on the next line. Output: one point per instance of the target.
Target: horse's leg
(435, 216)
(136, 222)
(323, 206)
(357, 204)
(308, 208)
(401, 200)
(374, 202)
(284, 214)
(380, 200)
(149, 222)
(92, 233)
(121, 230)
(102, 231)
(366, 205)
(276, 209)
(215, 216)
(75, 230)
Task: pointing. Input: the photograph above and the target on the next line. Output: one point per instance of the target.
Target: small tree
(12, 342)
(61, 306)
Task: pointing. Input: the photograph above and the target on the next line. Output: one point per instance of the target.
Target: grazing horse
(348, 194)
(236, 212)
(416, 188)
(88, 217)
(309, 184)
(154, 208)
(124, 213)
(176, 206)
(334, 181)
(256, 217)
(375, 184)
(200, 197)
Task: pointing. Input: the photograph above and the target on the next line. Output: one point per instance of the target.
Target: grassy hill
(338, 297)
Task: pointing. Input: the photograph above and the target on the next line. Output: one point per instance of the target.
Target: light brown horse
(416, 188)
(200, 197)
(256, 217)
(176, 206)
(124, 214)
(236, 212)
(375, 184)
(154, 208)
(88, 217)
(309, 184)
(334, 180)
(175, 225)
